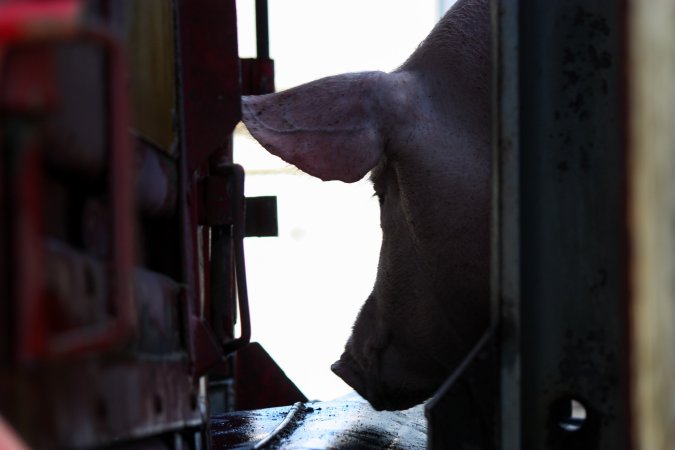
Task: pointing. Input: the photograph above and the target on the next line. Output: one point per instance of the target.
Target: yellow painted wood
(150, 46)
(651, 188)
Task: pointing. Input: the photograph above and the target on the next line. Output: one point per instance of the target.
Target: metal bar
(239, 233)
(222, 302)
(262, 29)
(505, 217)
(572, 223)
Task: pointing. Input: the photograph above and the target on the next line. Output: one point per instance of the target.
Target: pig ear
(330, 128)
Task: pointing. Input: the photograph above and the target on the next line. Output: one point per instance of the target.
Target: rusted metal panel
(572, 226)
(651, 170)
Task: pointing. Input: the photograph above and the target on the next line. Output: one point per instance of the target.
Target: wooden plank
(652, 220)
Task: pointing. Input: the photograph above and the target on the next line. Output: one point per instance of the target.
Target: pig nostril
(570, 414)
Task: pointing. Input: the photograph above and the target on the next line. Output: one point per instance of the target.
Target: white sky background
(307, 285)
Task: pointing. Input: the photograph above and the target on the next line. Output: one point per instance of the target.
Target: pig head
(423, 132)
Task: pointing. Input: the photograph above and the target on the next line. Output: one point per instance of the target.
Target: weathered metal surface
(651, 169)
(573, 228)
(344, 423)
(86, 403)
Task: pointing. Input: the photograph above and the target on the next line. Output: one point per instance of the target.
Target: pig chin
(378, 395)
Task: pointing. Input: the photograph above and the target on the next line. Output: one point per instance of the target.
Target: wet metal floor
(345, 423)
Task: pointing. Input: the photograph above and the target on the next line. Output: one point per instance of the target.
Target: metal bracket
(257, 74)
(223, 208)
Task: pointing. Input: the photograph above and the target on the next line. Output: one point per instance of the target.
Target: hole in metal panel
(570, 414)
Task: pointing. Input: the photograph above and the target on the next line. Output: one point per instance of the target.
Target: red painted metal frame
(120, 187)
(34, 341)
(22, 20)
(209, 109)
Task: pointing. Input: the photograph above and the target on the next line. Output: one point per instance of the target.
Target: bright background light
(307, 285)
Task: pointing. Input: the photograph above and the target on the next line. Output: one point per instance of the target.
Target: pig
(423, 133)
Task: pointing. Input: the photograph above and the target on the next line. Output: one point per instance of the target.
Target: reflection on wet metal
(345, 423)
(286, 427)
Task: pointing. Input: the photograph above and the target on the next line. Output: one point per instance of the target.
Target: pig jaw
(381, 366)
(379, 397)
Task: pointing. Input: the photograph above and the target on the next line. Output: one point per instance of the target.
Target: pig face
(423, 133)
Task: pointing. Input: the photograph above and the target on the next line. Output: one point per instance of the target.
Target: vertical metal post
(262, 29)
(505, 216)
(573, 287)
